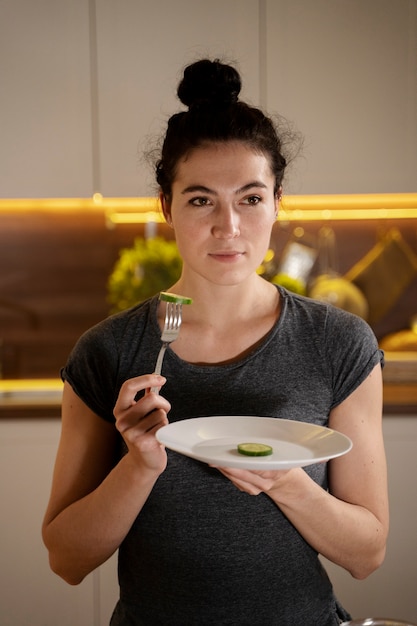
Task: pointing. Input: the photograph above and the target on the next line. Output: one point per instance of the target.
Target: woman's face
(222, 209)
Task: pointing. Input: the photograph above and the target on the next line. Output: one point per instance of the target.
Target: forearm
(87, 532)
(347, 534)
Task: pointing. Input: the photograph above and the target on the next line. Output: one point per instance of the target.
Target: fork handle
(158, 366)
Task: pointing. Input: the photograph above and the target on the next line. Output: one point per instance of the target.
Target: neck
(217, 304)
(225, 322)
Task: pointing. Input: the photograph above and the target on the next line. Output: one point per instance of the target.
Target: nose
(226, 224)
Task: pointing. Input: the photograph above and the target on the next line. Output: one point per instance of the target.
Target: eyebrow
(202, 189)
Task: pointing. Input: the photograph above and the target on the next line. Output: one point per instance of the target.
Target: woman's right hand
(138, 421)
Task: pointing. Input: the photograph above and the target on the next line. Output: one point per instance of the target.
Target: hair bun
(209, 82)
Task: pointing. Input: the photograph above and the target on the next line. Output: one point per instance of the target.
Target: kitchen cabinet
(45, 99)
(346, 74)
(391, 590)
(141, 50)
(31, 595)
(88, 85)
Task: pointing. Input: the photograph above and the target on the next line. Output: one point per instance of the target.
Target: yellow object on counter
(384, 273)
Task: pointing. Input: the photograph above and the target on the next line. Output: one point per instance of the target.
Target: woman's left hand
(254, 482)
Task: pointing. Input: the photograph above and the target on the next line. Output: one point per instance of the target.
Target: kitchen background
(86, 88)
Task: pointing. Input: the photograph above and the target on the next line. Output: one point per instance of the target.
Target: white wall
(87, 85)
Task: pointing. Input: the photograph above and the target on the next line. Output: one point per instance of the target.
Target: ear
(278, 199)
(166, 208)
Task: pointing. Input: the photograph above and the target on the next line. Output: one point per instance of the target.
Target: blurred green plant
(148, 267)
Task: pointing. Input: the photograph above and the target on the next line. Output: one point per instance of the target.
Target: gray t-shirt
(201, 552)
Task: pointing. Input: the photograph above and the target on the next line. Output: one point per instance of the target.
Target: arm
(94, 501)
(349, 524)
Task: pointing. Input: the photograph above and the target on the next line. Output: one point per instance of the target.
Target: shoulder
(119, 325)
(112, 339)
(336, 331)
(320, 312)
(102, 356)
(343, 342)
(307, 313)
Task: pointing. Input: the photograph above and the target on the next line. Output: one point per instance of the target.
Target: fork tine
(176, 322)
(170, 332)
(168, 315)
(172, 316)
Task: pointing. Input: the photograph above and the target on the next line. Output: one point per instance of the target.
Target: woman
(194, 546)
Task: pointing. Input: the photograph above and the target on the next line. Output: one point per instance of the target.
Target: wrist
(294, 487)
(139, 473)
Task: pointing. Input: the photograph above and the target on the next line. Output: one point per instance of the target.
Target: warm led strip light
(306, 208)
(29, 385)
(349, 207)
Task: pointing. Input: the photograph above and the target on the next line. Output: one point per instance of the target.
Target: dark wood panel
(54, 269)
(53, 275)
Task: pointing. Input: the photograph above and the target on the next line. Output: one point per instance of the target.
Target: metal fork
(173, 318)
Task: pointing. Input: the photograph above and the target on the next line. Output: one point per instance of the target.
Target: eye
(200, 201)
(252, 200)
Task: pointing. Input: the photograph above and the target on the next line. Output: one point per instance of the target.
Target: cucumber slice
(254, 449)
(173, 297)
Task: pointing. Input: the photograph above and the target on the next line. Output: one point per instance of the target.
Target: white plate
(214, 440)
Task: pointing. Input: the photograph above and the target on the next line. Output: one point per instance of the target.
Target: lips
(226, 256)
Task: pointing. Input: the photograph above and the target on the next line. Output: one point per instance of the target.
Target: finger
(131, 387)
(147, 425)
(245, 480)
(248, 488)
(156, 420)
(147, 411)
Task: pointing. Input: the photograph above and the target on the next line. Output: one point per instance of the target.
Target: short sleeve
(352, 352)
(91, 370)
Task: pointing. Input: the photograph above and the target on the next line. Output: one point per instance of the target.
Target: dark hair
(211, 89)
